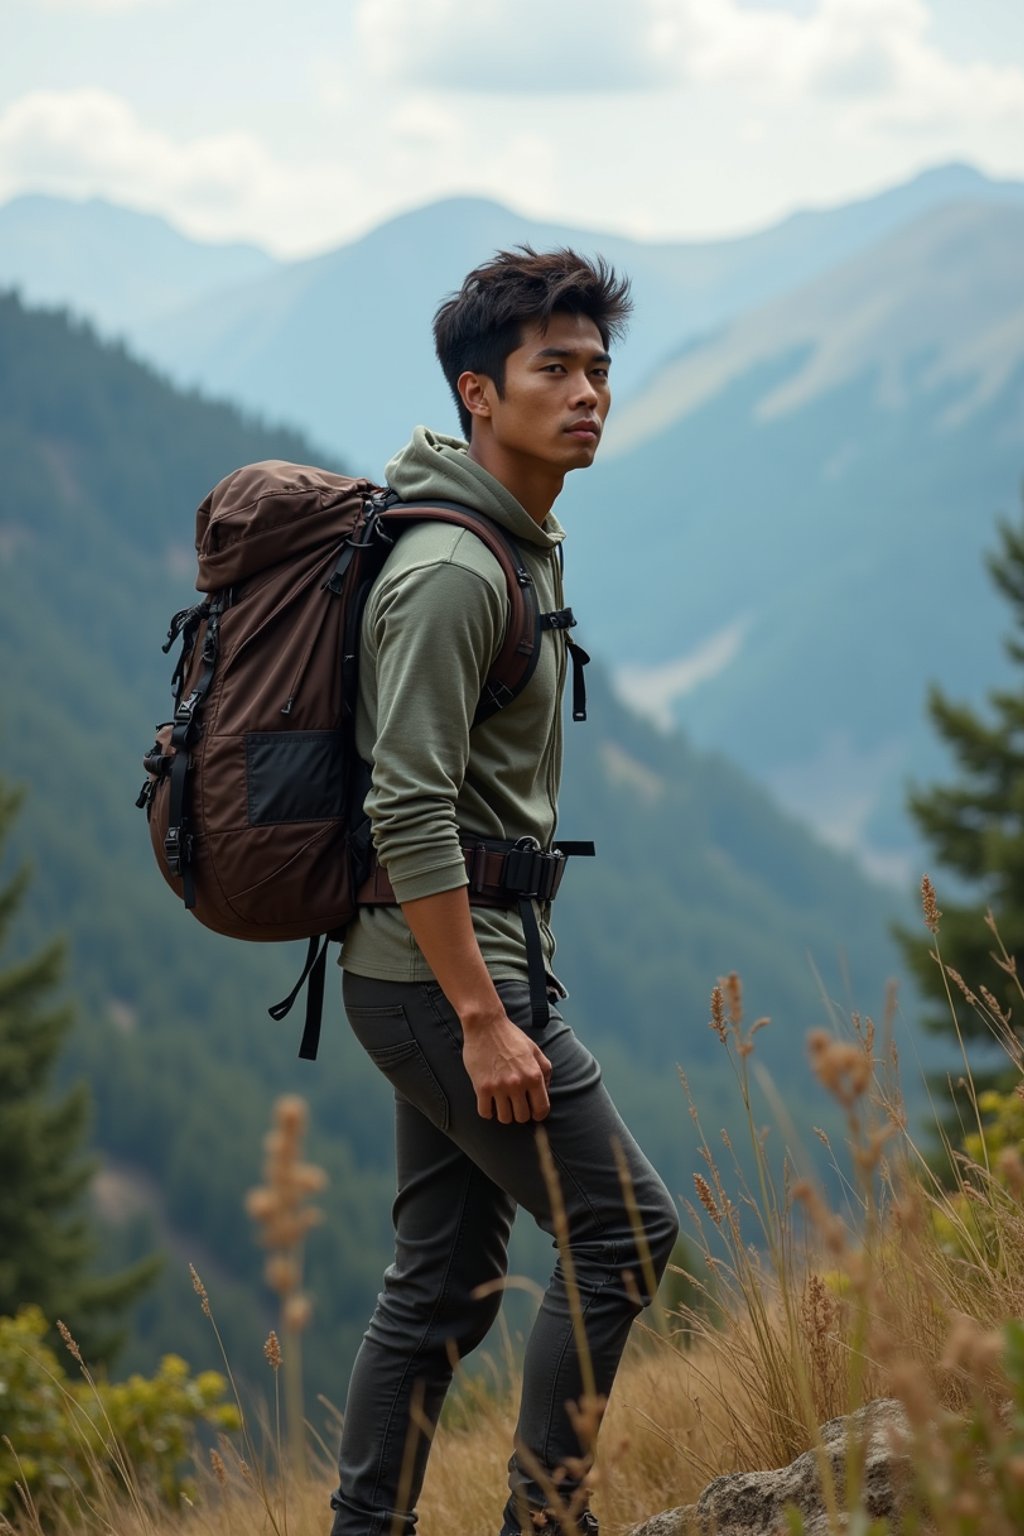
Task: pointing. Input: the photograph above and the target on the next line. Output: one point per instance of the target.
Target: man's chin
(581, 454)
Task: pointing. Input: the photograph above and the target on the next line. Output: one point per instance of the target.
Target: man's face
(556, 395)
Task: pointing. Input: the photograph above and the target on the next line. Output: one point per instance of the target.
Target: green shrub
(61, 1438)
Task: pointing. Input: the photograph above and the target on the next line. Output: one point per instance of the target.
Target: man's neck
(534, 486)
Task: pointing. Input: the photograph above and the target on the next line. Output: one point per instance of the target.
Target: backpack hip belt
(502, 874)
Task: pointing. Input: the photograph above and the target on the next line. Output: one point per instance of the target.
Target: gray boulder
(752, 1503)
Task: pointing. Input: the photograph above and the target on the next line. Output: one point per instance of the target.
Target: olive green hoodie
(433, 624)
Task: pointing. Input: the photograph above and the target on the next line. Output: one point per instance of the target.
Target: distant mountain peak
(114, 265)
(953, 173)
(101, 212)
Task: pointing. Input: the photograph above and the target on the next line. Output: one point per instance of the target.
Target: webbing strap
(534, 964)
(315, 972)
(579, 659)
(310, 1043)
(178, 848)
(565, 619)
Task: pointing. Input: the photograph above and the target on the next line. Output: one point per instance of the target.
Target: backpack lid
(268, 512)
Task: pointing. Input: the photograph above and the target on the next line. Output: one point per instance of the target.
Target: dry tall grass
(910, 1292)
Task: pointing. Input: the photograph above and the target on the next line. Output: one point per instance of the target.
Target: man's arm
(436, 630)
(508, 1071)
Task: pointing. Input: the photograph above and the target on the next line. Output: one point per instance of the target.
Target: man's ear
(474, 392)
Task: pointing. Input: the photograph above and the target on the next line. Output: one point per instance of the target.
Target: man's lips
(589, 430)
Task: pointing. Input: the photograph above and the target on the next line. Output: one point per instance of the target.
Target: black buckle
(530, 872)
(177, 849)
(562, 618)
(156, 762)
(172, 850)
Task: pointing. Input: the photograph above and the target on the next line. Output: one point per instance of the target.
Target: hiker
(447, 967)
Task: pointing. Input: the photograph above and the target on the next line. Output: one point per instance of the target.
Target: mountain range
(338, 345)
(820, 481)
(815, 428)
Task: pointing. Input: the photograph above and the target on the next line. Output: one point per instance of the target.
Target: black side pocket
(294, 776)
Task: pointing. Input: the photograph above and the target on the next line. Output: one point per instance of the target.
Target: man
(436, 989)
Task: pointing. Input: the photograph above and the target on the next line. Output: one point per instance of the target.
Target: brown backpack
(254, 795)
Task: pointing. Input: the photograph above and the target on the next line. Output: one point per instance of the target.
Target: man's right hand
(509, 1073)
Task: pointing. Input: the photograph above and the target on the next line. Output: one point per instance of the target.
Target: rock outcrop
(752, 1503)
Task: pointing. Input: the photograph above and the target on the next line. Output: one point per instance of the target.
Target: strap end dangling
(580, 658)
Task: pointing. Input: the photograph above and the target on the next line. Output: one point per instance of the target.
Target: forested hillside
(698, 873)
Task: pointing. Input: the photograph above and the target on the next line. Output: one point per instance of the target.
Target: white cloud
(873, 56)
(83, 134)
(733, 115)
(223, 186)
(92, 143)
(532, 46)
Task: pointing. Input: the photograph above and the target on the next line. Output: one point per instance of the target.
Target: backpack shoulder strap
(517, 660)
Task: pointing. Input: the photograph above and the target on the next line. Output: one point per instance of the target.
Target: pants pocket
(388, 1039)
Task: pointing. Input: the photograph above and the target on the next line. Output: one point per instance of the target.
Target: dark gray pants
(460, 1178)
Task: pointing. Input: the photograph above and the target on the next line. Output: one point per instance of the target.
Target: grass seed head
(291, 1115)
(718, 1013)
(734, 997)
(200, 1290)
(929, 905)
(992, 1004)
(272, 1350)
(69, 1342)
(281, 1274)
(961, 986)
(297, 1312)
(706, 1198)
(841, 1067)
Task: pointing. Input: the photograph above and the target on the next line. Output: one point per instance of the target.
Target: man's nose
(585, 392)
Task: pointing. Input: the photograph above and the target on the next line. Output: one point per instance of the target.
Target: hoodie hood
(431, 465)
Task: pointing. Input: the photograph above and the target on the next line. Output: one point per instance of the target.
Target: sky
(300, 124)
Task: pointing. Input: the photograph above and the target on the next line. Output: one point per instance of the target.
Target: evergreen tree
(976, 828)
(47, 1245)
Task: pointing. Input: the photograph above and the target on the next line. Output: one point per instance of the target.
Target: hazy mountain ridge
(821, 480)
(331, 343)
(947, 288)
(339, 344)
(105, 464)
(111, 265)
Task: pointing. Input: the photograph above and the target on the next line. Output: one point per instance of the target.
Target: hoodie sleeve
(434, 631)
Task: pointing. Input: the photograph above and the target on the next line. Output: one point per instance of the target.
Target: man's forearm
(442, 926)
